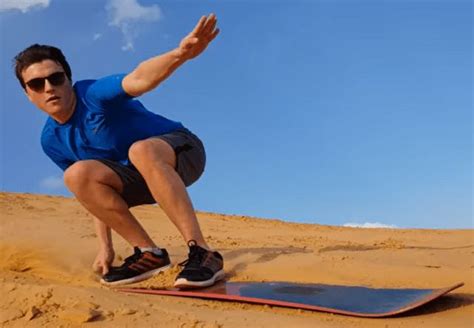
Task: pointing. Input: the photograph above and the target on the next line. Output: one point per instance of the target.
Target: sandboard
(349, 300)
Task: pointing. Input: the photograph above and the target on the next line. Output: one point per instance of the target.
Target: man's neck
(65, 116)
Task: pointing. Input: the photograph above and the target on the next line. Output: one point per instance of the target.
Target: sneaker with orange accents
(140, 266)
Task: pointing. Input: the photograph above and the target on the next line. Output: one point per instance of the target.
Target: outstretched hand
(197, 41)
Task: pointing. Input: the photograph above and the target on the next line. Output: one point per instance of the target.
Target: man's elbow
(135, 86)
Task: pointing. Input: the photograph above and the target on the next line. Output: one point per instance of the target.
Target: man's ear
(27, 94)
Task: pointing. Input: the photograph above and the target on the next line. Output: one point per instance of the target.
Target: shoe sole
(183, 283)
(141, 277)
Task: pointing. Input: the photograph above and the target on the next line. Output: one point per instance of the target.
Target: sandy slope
(48, 243)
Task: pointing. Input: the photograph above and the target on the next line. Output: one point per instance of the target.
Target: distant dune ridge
(48, 244)
(370, 225)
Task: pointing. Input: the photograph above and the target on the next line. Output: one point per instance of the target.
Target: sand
(48, 243)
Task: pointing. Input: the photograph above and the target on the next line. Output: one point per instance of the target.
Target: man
(116, 154)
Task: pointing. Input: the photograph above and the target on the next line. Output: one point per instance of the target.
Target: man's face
(53, 96)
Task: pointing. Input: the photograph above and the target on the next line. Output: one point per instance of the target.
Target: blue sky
(326, 112)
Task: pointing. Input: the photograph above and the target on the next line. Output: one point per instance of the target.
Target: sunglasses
(38, 83)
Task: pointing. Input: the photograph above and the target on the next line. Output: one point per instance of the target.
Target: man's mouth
(52, 98)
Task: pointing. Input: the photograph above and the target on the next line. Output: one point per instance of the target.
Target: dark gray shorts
(190, 163)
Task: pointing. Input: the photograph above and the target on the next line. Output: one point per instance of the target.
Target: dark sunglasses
(55, 79)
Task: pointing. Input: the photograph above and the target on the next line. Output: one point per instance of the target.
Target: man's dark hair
(37, 53)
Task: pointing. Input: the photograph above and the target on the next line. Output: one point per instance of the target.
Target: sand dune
(48, 245)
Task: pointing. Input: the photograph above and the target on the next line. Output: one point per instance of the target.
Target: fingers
(213, 35)
(96, 268)
(205, 27)
(199, 26)
(209, 25)
(100, 267)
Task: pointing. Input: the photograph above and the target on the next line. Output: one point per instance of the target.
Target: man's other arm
(150, 73)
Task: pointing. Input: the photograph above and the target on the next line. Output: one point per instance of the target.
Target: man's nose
(48, 86)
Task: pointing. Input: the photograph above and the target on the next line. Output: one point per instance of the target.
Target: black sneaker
(138, 267)
(202, 268)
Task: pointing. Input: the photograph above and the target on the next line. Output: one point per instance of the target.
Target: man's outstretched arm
(150, 73)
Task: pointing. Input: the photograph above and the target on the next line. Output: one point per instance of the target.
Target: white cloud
(22, 5)
(97, 36)
(52, 183)
(370, 225)
(127, 15)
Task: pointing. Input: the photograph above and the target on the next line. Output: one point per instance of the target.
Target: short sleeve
(56, 156)
(63, 163)
(106, 91)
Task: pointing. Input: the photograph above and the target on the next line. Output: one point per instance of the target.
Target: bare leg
(97, 188)
(156, 161)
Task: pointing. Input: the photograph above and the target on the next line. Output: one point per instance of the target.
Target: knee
(77, 175)
(152, 151)
(138, 151)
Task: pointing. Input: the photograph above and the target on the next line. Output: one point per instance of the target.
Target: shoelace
(195, 257)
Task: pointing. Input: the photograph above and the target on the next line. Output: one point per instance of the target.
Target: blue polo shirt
(105, 123)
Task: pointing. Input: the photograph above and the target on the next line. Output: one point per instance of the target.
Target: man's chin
(55, 109)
